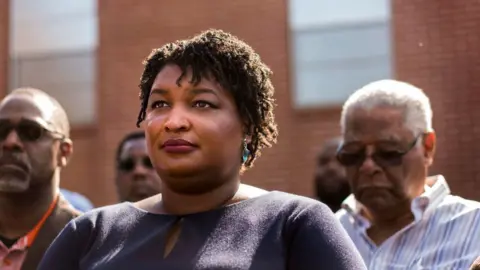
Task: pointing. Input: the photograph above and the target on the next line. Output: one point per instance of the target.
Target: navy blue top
(273, 231)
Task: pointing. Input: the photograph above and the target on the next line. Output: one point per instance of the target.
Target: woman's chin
(179, 168)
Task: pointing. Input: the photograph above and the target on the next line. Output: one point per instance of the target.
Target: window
(337, 47)
(53, 48)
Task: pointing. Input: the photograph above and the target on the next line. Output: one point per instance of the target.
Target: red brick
(4, 46)
(448, 73)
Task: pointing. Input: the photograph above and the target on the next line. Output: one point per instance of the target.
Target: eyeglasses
(383, 158)
(128, 164)
(27, 130)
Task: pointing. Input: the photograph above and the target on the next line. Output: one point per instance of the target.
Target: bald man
(34, 146)
(331, 183)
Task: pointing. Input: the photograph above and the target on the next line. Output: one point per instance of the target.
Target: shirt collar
(27, 240)
(433, 195)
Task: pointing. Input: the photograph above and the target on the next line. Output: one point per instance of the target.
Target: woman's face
(194, 133)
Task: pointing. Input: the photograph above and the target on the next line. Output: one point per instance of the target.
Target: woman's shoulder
(116, 215)
(294, 208)
(294, 202)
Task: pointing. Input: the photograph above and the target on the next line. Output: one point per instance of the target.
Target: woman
(207, 104)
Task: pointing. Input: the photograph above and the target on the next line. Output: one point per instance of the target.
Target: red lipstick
(178, 146)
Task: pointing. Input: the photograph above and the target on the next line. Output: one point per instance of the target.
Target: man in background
(34, 147)
(135, 177)
(399, 217)
(331, 183)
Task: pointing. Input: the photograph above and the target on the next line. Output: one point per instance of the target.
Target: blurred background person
(331, 185)
(34, 147)
(77, 200)
(136, 179)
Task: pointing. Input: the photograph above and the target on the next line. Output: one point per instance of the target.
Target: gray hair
(395, 94)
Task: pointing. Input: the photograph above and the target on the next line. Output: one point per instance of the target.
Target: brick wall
(437, 48)
(4, 34)
(81, 174)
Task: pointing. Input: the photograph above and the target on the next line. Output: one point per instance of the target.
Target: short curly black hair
(235, 66)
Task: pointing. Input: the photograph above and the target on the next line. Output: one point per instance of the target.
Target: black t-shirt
(274, 231)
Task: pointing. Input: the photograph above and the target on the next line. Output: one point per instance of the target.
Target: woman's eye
(158, 104)
(202, 104)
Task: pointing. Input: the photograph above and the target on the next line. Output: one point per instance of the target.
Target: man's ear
(65, 152)
(429, 147)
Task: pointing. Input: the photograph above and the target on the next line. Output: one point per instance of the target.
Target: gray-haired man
(397, 216)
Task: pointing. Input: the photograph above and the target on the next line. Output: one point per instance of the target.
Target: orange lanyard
(31, 235)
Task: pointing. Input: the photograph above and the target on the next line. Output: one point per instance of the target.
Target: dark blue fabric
(274, 231)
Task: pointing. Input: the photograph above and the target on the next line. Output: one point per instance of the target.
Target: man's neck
(382, 228)
(389, 221)
(20, 212)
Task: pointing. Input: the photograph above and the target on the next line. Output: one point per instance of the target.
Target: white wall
(52, 47)
(46, 26)
(337, 47)
(308, 13)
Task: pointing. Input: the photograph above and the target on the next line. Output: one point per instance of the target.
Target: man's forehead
(138, 145)
(27, 106)
(359, 118)
(378, 124)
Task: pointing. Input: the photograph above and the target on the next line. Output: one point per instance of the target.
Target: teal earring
(245, 152)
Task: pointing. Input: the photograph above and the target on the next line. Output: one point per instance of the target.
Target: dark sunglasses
(27, 130)
(382, 158)
(128, 164)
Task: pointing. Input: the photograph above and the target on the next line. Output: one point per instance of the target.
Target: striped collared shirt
(445, 233)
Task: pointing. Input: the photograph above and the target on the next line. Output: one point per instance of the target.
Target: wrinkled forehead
(36, 108)
(375, 124)
(134, 148)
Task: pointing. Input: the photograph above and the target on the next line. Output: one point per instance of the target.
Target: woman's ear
(247, 134)
(248, 139)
